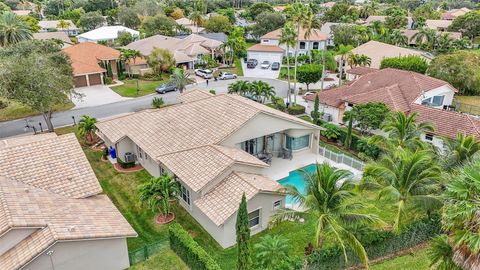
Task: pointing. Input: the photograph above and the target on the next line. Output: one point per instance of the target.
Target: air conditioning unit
(327, 117)
(129, 157)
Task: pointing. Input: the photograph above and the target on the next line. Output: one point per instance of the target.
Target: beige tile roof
(53, 24)
(193, 124)
(55, 164)
(315, 35)
(15, 141)
(436, 24)
(410, 33)
(265, 48)
(199, 166)
(193, 95)
(223, 201)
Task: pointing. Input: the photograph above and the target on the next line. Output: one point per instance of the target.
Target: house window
(162, 171)
(185, 194)
(434, 101)
(140, 152)
(302, 45)
(265, 41)
(429, 136)
(315, 45)
(297, 143)
(277, 204)
(254, 218)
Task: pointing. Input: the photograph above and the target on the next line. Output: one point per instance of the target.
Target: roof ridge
(246, 181)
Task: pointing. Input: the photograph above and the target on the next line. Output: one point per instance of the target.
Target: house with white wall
(52, 212)
(404, 91)
(54, 26)
(106, 33)
(270, 49)
(217, 147)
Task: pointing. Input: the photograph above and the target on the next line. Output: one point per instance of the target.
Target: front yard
(129, 88)
(469, 104)
(15, 110)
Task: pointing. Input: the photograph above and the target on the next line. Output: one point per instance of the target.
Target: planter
(161, 219)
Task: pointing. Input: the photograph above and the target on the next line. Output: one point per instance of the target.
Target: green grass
(417, 260)
(129, 88)
(166, 259)
(238, 66)
(283, 74)
(15, 110)
(469, 104)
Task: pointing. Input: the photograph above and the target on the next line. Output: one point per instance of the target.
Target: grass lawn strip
(129, 88)
(15, 110)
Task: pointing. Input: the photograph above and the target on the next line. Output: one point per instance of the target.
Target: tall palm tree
(197, 18)
(180, 79)
(460, 150)
(406, 178)
(158, 192)
(288, 37)
(426, 36)
(62, 24)
(326, 202)
(344, 51)
(398, 38)
(262, 91)
(87, 127)
(128, 54)
(13, 29)
(271, 253)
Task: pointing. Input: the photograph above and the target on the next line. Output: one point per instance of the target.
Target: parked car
(204, 73)
(275, 66)
(307, 94)
(227, 76)
(265, 65)
(252, 63)
(166, 87)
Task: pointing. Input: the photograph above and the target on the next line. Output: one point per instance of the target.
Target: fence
(468, 108)
(145, 252)
(342, 158)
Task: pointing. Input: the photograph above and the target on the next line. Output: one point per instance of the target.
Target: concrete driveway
(96, 95)
(259, 72)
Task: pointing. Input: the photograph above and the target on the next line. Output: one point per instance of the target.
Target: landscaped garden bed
(146, 87)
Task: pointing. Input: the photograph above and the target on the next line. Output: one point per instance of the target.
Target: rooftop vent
(71, 228)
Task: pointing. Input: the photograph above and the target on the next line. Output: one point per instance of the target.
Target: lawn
(469, 104)
(417, 260)
(129, 88)
(283, 74)
(166, 259)
(15, 110)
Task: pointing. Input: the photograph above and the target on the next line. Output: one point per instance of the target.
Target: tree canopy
(370, 116)
(267, 22)
(309, 73)
(411, 62)
(468, 24)
(218, 23)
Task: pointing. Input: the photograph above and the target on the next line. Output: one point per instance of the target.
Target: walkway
(96, 95)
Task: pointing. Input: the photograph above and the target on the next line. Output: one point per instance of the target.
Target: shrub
(108, 80)
(411, 63)
(190, 252)
(3, 104)
(309, 73)
(105, 152)
(331, 132)
(122, 77)
(157, 102)
(278, 103)
(125, 165)
(213, 92)
(296, 109)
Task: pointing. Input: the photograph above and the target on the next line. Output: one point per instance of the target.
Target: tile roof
(193, 95)
(53, 24)
(223, 201)
(199, 166)
(315, 35)
(454, 13)
(55, 164)
(361, 70)
(19, 140)
(265, 48)
(410, 33)
(85, 57)
(54, 35)
(435, 24)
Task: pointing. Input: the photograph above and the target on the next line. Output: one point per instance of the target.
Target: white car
(265, 65)
(227, 75)
(204, 73)
(307, 94)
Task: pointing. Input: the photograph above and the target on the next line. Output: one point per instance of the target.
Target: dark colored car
(275, 66)
(252, 63)
(166, 87)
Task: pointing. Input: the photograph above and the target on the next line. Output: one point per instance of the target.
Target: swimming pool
(296, 179)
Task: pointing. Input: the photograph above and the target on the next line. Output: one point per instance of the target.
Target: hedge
(296, 109)
(377, 244)
(190, 252)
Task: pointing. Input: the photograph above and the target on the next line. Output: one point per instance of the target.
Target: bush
(411, 63)
(296, 109)
(213, 92)
(3, 104)
(157, 102)
(190, 252)
(105, 152)
(278, 103)
(108, 80)
(331, 132)
(125, 165)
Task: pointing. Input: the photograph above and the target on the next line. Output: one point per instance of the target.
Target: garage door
(95, 79)
(265, 56)
(80, 81)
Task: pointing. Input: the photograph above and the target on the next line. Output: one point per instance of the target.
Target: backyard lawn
(129, 88)
(417, 260)
(469, 104)
(15, 110)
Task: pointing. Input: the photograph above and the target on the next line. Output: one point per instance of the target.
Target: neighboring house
(328, 4)
(404, 91)
(410, 34)
(373, 18)
(377, 51)
(270, 49)
(187, 51)
(22, 12)
(52, 26)
(439, 25)
(189, 24)
(91, 62)
(62, 36)
(52, 212)
(327, 30)
(455, 13)
(213, 144)
(215, 36)
(357, 72)
(106, 33)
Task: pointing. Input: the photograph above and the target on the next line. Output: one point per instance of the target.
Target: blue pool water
(297, 179)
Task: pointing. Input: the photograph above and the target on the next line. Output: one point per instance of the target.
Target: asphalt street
(60, 119)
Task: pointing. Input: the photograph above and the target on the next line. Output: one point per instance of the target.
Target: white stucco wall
(445, 91)
(107, 254)
(333, 111)
(13, 237)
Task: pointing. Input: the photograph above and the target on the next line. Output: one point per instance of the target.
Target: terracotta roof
(193, 95)
(265, 48)
(435, 24)
(374, 18)
(361, 70)
(454, 13)
(85, 57)
(223, 201)
(315, 35)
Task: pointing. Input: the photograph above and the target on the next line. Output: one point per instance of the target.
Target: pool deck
(280, 168)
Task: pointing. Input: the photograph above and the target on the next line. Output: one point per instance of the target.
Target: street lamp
(40, 124)
(74, 123)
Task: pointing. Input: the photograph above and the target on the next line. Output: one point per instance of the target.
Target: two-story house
(270, 49)
(217, 147)
(404, 91)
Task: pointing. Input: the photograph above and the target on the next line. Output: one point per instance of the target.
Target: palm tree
(87, 127)
(158, 192)
(344, 51)
(440, 254)
(62, 24)
(13, 29)
(235, 43)
(398, 38)
(240, 87)
(444, 43)
(326, 202)
(288, 37)
(180, 79)
(128, 54)
(460, 150)
(262, 91)
(377, 29)
(406, 178)
(160, 60)
(426, 35)
(197, 18)
(272, 252)
(462, 43)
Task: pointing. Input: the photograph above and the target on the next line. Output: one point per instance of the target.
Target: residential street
(16, 127)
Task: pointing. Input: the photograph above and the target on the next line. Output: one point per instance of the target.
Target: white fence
(342, 158)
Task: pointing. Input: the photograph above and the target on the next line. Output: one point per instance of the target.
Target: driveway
(258, 72)
(96, 95)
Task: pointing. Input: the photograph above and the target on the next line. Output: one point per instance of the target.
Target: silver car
(227, 76)
(204, 73)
